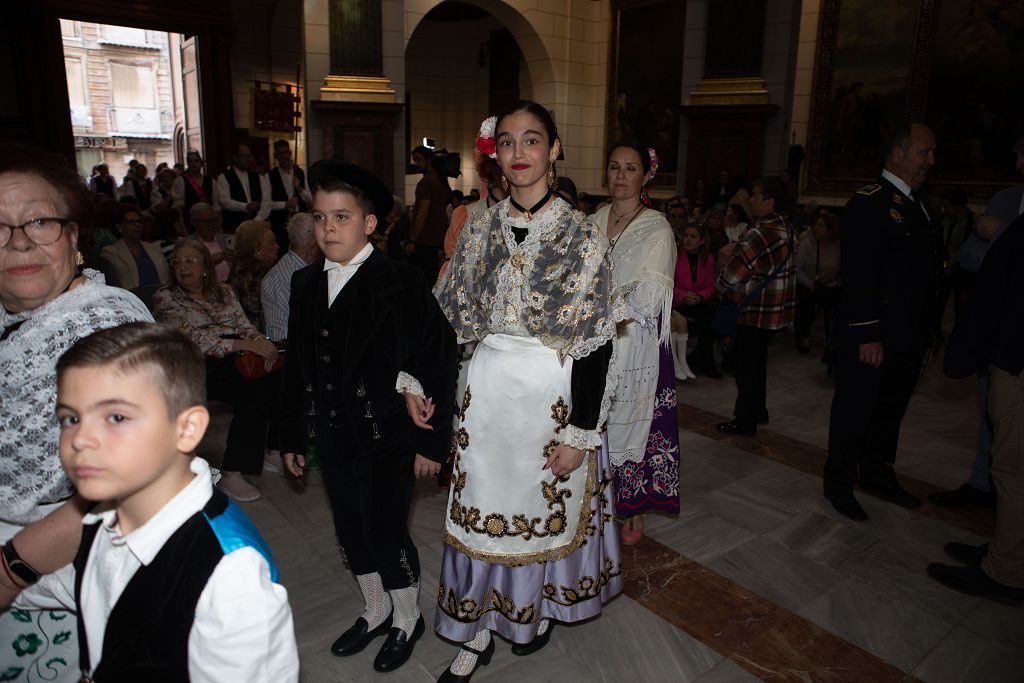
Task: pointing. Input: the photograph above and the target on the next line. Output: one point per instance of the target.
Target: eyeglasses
(41, 231)
(190, 260)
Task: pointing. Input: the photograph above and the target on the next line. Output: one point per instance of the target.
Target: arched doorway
(465, 60)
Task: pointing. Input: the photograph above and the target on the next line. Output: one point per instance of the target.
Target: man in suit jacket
(890, 262)
(361, 327)
(288, 193)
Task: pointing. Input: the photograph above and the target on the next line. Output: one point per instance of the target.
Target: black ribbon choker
(529, 213)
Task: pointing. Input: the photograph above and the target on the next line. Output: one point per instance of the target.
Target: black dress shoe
(845, 503)
(537, 643)
(890, 490)
(965, 495)
(973, 581)
(967, 554)
(483, 658)
(357, 637)
(397, 649)
(735, 429)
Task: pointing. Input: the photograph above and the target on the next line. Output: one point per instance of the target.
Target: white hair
(300, 229)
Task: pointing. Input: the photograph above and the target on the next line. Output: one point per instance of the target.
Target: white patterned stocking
(465, 661)
(378, 602)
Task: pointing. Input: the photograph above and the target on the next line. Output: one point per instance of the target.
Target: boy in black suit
(361, 326)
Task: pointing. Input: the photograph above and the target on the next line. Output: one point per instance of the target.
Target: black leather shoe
(537, 643)
(965, 495)
(397, 649)
(890, 490)
(735, 429)
(357, 637)
(845, 503)
(973, 581)
(966, 554)
(483, 658)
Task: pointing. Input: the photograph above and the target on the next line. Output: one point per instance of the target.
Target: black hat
(327, 172)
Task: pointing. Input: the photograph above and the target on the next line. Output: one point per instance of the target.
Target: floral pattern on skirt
(653, 483)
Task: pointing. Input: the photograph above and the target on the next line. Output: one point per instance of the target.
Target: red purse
(252, 366)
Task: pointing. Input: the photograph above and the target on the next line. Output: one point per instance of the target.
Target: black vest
(146, 637)
(143, 194)
(280, 193)
(232, 219)
(105, 186)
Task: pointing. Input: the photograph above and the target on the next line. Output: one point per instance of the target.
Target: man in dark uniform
(890, 262)
(361, 329)
(288, 193)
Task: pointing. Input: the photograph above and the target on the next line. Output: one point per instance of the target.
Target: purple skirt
(475, 595)
(653, 483)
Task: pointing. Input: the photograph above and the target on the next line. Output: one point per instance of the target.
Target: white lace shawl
(30, 469)
(644, 258)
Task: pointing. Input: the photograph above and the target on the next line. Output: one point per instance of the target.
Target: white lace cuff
(583, 439)
(407, 384)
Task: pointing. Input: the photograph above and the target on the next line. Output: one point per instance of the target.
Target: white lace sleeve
(407, 384)
(583, 439)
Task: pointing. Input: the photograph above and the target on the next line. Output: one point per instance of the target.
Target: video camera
(442, 160)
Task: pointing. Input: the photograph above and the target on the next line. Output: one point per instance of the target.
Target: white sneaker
(237, 488)
(273, 462)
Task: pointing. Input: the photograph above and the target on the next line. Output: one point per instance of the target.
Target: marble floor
(756, 579)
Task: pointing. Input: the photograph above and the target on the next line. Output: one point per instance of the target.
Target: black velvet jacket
(342, 362)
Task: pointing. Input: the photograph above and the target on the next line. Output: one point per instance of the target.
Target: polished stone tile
(698, 534)
(822, 539)
(747, 507)
(727, 671)
(776, 573)
(1001, 623)
(966, 657)
(893, 630)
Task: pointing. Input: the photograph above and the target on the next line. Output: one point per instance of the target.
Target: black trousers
(428, 259)
(750, 365)
(250, 402)
(370, 500)
(699, 318)
(867, 408)
(808, 303)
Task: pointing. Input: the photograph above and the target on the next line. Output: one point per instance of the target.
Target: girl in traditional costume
(643, 426)
(529, 530)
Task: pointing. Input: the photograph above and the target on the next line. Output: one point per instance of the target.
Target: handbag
(726, 316)
(252, 366)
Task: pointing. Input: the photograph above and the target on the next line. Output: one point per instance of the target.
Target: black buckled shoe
(845, 503)
(357, 637)
(967, 554)
(537, 643)
(483, 658)
(890, 489)
(397, 649)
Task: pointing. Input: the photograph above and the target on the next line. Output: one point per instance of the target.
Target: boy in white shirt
(172, 581)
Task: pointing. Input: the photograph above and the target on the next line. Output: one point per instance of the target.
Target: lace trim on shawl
(647, 298)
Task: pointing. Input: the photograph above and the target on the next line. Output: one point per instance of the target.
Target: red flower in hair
(486, 146)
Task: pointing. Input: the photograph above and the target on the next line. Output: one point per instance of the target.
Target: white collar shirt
(905, 189)
(339, 275)
(243, 177)
(242, 629)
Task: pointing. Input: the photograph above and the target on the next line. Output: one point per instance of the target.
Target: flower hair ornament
(485, 138)
(649, 177)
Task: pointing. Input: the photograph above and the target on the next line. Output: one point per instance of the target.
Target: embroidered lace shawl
(644, 258)
(555, 286)
(30, 470)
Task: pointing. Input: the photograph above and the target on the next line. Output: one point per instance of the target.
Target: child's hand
(295, 463)
(564, 460)
(425, 467)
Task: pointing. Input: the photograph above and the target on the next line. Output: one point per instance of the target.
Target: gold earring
(552, 183)
(504, 184)
(79, 259)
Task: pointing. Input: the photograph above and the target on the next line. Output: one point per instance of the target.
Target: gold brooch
(517, 261)
(896, 215)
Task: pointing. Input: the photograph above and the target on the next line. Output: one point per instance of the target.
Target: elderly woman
(255, 255)
(643, 427)
(817, 278)
(130, 262)
(48, 304)
(209, 312)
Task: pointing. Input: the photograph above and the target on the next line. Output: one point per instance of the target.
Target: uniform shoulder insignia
(897, 198)
(869, 189)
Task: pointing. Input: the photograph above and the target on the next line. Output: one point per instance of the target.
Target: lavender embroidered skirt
(653, 483)
(575, 568)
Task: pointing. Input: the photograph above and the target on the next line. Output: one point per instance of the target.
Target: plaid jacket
(756, 254)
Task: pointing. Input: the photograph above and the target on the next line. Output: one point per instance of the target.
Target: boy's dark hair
(772, 187)
(175, 362)
(362, 200)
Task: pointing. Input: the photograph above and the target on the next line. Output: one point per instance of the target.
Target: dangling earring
(504, 184)
(79, 259)
(552, 183)
(644, 198)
